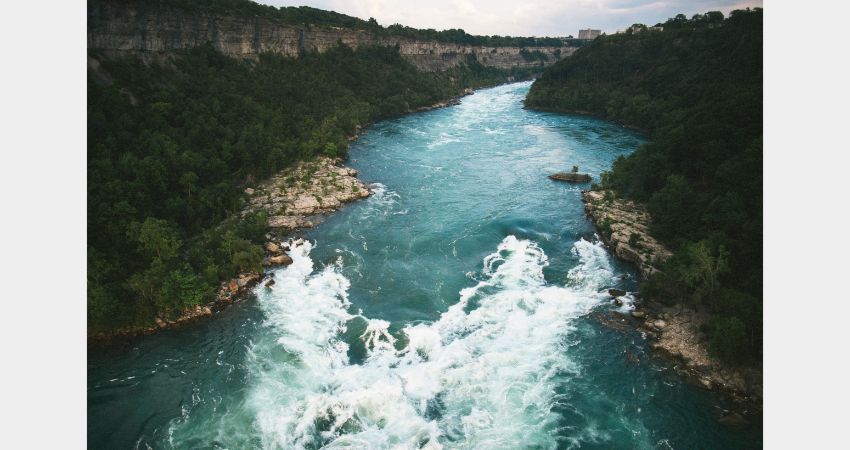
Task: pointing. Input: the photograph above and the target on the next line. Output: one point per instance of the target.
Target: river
(454, 308)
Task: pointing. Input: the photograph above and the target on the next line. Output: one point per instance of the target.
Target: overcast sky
(520, 17)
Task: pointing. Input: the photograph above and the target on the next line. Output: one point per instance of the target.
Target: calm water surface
(455, 308)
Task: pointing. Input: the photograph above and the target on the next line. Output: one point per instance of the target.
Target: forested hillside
(173, 140)
(696, 87)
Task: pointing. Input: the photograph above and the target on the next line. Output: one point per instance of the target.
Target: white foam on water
(482, 376)
(382, 202)
(442, 139)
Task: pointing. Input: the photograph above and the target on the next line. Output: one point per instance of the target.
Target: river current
(454, 308)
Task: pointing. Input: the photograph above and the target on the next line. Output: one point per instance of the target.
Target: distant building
(589, 34)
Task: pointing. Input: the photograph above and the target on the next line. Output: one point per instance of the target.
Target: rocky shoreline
(674, 332)
(298, 196)
(624, 228)
(295, 198)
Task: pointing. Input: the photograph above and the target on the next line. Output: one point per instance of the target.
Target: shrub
(728, 340)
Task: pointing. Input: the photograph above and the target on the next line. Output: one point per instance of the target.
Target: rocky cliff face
(119, 29)
(624, 226)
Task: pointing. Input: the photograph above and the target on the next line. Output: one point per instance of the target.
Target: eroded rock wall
(116, 28)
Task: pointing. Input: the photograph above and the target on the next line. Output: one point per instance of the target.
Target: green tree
(155, 238)
(182, 288)
(672, 208)
(728, 335)
(702, 270)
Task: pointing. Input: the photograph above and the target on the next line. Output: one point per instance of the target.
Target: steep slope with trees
(696, 87)
(173, 141)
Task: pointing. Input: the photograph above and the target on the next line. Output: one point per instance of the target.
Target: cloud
(520, 18)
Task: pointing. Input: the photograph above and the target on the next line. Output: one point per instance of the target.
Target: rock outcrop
(676, 332)
(290, 197)
(624, 226)
(277, 260)
(121, 28)
(571, 177)
(295, 196)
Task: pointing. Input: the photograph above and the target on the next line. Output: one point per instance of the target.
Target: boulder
(659, 324)
(160, 323)
(249, 191)
(280, 260)
(247, 279)
(616, 292)
(618, 301)
(272, 248)
(638, 314)
(270, 283)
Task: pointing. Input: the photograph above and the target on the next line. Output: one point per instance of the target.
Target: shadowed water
(452, 309)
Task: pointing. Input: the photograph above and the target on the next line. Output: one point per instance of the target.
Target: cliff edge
(123, 28)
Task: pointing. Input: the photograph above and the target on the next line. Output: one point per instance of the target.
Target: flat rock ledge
(624, 226)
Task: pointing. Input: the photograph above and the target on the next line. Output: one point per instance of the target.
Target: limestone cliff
(122, 29)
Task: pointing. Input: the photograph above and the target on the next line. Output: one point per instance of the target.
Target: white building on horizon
(589, 34)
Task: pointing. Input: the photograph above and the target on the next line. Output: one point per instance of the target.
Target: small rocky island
(571, 177)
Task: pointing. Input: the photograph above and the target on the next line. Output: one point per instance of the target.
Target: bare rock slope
(624, 227)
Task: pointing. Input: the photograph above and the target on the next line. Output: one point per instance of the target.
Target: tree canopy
(696, 87)
(173, 142)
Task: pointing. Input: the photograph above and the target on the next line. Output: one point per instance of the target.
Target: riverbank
(297, 197)
(674, 331)
(624, 228)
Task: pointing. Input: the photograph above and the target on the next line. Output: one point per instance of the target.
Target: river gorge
(456, 307)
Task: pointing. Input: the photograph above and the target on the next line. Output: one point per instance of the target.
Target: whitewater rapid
(484, 375)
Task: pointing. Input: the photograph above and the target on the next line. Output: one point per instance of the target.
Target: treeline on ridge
(173, 141)
(696, 87)
(309, 16)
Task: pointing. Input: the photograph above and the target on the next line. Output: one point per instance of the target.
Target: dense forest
(173, 140)
(696, 87)
(308, 16)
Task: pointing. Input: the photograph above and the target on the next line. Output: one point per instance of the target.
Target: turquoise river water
(455, 308)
